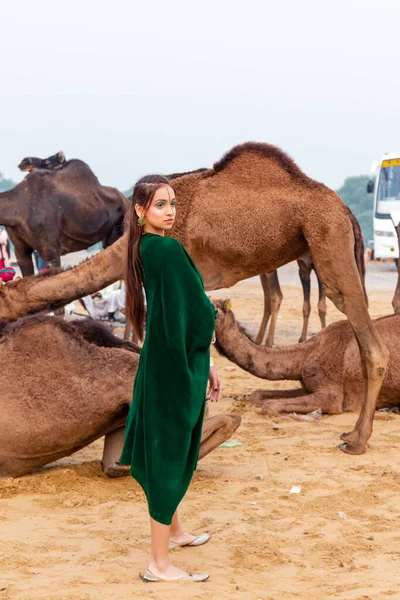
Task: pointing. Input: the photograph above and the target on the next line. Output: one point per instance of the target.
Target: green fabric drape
(163, 429)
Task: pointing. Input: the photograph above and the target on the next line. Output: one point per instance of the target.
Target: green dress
(164, 425)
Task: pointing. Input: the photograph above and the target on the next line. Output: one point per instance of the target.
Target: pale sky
(138, 87)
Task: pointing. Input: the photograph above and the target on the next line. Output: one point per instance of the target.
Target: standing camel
(253, 212)
(396, 297)
(273, 299)
(32, 163)
(270, 284)
(60, 211)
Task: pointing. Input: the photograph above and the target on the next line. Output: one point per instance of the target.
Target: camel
(32, 163)
(253, 212)
(273, 298)
(396, 297)
(60, 210)
(64, 385)
(327, 366)
(273, 294)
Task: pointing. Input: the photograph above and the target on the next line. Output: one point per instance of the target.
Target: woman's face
(160, 215)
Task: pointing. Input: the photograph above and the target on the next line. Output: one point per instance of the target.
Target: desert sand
(70, 533)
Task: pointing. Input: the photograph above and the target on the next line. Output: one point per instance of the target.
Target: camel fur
(64, 385)
(59, 207)
(327, 366)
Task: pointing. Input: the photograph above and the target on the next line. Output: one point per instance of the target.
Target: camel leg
(321, 303)
(217, 430)
(260, 396)
(23, 254)
(52, 259)
(342, 285)
(275, 296)
(305, 278)
(396, 297)
(113, 443)
(267, 309)
(330, 402)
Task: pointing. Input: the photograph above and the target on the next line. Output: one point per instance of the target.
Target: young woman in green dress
(163, 429)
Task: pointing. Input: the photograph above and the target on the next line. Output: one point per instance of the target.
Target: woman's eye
(160, 204)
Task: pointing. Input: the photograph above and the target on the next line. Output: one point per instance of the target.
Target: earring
(140, 222)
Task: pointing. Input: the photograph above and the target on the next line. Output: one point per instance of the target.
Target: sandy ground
(70, 533)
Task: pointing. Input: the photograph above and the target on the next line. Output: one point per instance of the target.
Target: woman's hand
(215, 385)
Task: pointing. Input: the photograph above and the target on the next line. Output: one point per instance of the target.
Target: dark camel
(327, 366)
(273, 299)
(32, 163)
(64, 385)
(60, 210)
(253, 212)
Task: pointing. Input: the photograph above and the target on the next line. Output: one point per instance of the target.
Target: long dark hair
(143, 194)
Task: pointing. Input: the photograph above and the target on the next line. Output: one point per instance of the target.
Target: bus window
(388, 189)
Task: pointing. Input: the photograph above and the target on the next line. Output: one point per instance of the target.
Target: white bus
(386, 206)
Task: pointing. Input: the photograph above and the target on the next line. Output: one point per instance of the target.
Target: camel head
(54, 161)
(225, 316)
(30, 163)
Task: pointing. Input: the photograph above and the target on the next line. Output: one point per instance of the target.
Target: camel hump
(267, 151)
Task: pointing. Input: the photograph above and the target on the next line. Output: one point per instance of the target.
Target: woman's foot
(166, 572)
(186, 539)
(181, 538)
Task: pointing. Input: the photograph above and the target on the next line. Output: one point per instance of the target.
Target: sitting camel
(253, 212)
(59, 207)
(327, 366)
(64, 385)
(32, 163)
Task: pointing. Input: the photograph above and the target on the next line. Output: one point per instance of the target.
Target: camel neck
(8, 208)
(277, 364)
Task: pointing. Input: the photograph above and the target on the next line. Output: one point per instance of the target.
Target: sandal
(199, 541)
(148, 576)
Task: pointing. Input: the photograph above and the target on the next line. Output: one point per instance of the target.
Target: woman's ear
(138, 210)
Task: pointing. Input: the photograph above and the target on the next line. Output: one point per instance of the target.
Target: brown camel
(253, 212)
(273, 299)
(327, 366)
(32, 163)
(396, 297)
(61, 210)
(273, 294)
(64, 385)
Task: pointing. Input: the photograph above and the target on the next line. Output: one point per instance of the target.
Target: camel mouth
(24, 167)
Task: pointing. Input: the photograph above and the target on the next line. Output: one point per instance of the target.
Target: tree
(354, 193)
(6, 184)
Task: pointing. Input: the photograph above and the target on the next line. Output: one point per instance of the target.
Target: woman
(163, 429)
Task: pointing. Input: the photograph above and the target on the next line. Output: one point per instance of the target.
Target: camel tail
(359, 251)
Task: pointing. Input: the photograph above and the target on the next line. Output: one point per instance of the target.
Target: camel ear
(228, 304)
(61, 157)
